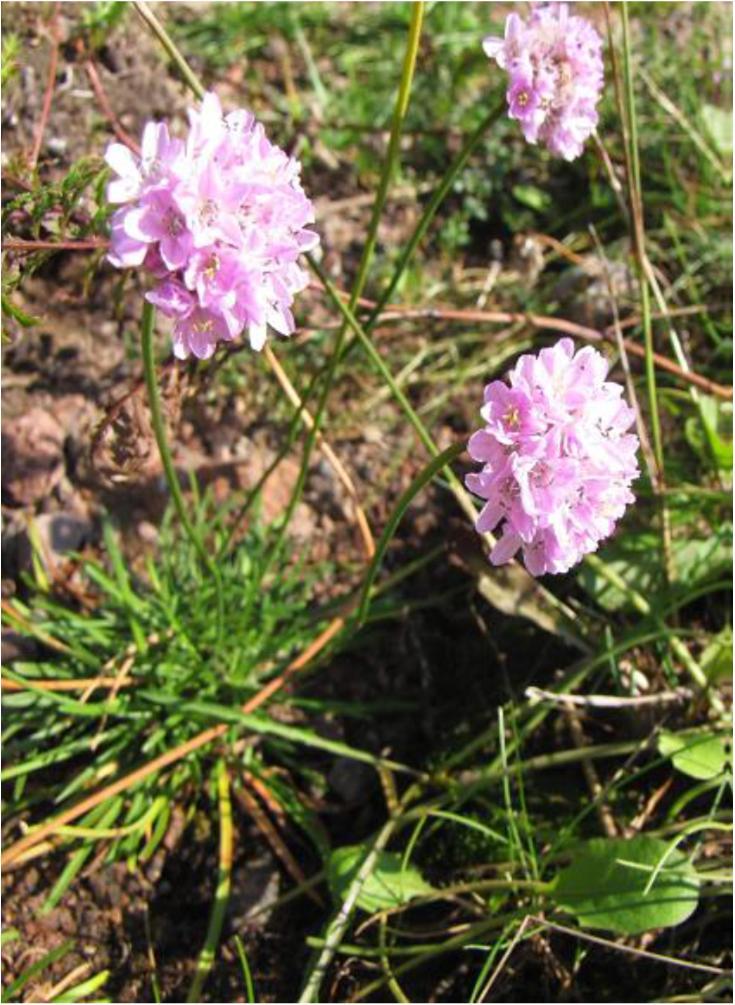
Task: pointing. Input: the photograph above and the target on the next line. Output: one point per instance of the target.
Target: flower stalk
(169, 470)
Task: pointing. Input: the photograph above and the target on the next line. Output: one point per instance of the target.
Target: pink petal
(505, 549)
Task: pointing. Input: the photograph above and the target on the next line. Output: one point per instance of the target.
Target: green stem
(338, 925)
(222, 893)
(635, 180)
(421, 431)
(385, 964)
(159, 430)
(167, 42)
(482, 885)
(636, 201)
(391, 158)
(404, 92)
(254, 492)
(643, 607)
(456, 942)
(424, 477)
(432, 206)
(456, 487)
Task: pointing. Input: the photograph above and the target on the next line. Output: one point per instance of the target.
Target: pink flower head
(219, 220)
(557, 458)
(555, 76)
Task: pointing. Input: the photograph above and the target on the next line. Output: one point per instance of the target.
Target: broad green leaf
(714, 442)
(532, 196)
(718, 123)
(636, 558)
(716, 660)
(605, 886)
(389, 885)
(697, 753)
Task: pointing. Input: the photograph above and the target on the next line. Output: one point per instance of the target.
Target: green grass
(467, 878)
(156, 630)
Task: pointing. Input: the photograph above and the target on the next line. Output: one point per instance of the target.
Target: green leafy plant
(160, 685)
(92, 690)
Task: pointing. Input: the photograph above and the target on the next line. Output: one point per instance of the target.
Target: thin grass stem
(433, 468)
(246, 972)
(432, 206)
(338, 925)
(224, 878)
(636, 202)
(643, 607)
(404, 91)
(190, 78)
(391, 157)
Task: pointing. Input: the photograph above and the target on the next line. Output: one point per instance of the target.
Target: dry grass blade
(274, 839)
(104, 104)
(87, 684)
(548, 323)
(329, 454)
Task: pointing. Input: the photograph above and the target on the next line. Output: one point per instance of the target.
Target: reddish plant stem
(49, 92)
(106, 107)
(393, 312)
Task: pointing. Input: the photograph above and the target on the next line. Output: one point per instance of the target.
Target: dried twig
(637, 824)
(602, 808)
(85, 244)
(646, 448)
(608, 701)
(89, 684)
(274, 839)
(542, 321)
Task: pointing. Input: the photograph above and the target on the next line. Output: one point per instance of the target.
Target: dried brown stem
(72, 684)
(274, 839)
(84, 244)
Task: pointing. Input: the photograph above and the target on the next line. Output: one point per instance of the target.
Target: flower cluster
(557, 458)
(555, 71)
(219, 220)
